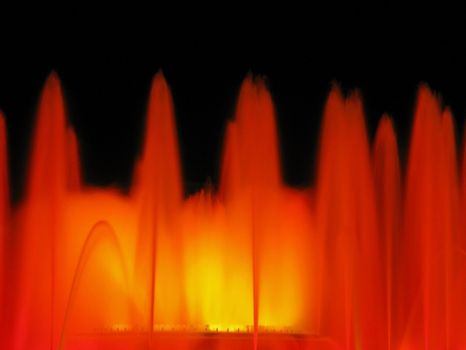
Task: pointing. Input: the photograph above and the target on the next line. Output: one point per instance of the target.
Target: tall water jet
(388, 191)
(37, 309)
(347, 225)
(334, 290)
(158, 187)
(259, 173)
(429, 223)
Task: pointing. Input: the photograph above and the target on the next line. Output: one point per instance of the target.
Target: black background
(106, 64)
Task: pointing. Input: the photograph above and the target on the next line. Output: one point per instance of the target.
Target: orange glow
(365, 258)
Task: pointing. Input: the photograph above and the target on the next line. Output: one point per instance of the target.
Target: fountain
(367, 257)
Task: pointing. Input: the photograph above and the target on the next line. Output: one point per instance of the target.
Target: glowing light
(353, 259)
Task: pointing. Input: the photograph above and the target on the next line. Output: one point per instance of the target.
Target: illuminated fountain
(365, 258)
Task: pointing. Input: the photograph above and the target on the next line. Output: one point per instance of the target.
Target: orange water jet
(365, 258)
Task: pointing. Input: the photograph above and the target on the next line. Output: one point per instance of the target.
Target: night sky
(106, 76)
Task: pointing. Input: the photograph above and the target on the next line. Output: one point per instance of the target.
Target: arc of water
(98, 232)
